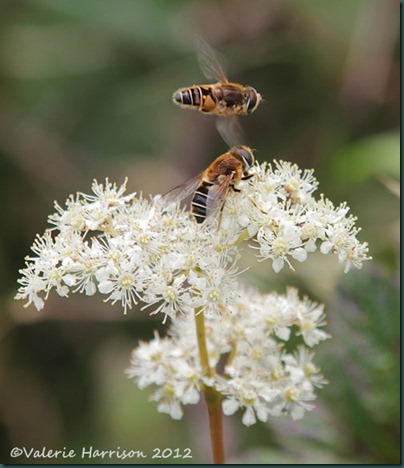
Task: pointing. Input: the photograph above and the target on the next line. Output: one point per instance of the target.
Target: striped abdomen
(198, 97)
(199, 201)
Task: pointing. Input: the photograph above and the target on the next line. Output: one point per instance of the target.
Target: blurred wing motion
(208, 62)
(231, 131)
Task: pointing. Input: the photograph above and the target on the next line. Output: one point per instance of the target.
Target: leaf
(373, 156)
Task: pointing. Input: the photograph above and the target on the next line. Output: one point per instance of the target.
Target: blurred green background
(85, 92)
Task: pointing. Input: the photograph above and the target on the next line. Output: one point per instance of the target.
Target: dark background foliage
(85, 93)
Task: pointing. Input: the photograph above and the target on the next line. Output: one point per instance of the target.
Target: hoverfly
(210, 188)
(222, 98)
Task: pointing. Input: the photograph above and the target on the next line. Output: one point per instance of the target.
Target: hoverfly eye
(252, 100)
(246, 156)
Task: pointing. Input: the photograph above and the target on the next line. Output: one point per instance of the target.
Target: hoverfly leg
(219, 222)
(255, 205)
(249, 176)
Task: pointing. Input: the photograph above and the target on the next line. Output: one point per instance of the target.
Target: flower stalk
(213, 402)
(203, 350)
(212, 397)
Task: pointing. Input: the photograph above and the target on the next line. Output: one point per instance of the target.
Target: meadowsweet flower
(258, 377)
(279, 244)
(302, 370)
(295, 401)
(153, 359)
(251, 395)
(291, 222)
(133, 249)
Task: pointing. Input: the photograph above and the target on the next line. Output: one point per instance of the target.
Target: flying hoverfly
(210, 188)
(222, 98)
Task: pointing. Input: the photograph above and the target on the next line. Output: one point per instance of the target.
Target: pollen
(115, 256)
(257, 353)
(340, 239)
(307, 325)
(309, 369)
(214, 295)
(277, 374)
(249, 397)
(144, 239)
(55, 276)
(279, 246)
(127, 281)
(309, 230)
(170, 294)
(271, 318)
(291, 394)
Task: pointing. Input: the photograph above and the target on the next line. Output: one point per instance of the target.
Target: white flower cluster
(247, 343)
(129, 248)
(132, 249)
(290, 222)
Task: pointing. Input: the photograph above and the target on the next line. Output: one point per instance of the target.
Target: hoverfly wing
(208, 62)
(182, 191)
(230, 130)
(217, 196)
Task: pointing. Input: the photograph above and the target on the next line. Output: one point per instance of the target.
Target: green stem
(212, 397)
(203, 350)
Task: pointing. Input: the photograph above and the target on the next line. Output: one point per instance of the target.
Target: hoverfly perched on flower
(222, 98)
(210, 188)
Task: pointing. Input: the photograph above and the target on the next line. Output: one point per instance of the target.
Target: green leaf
(371, 157)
